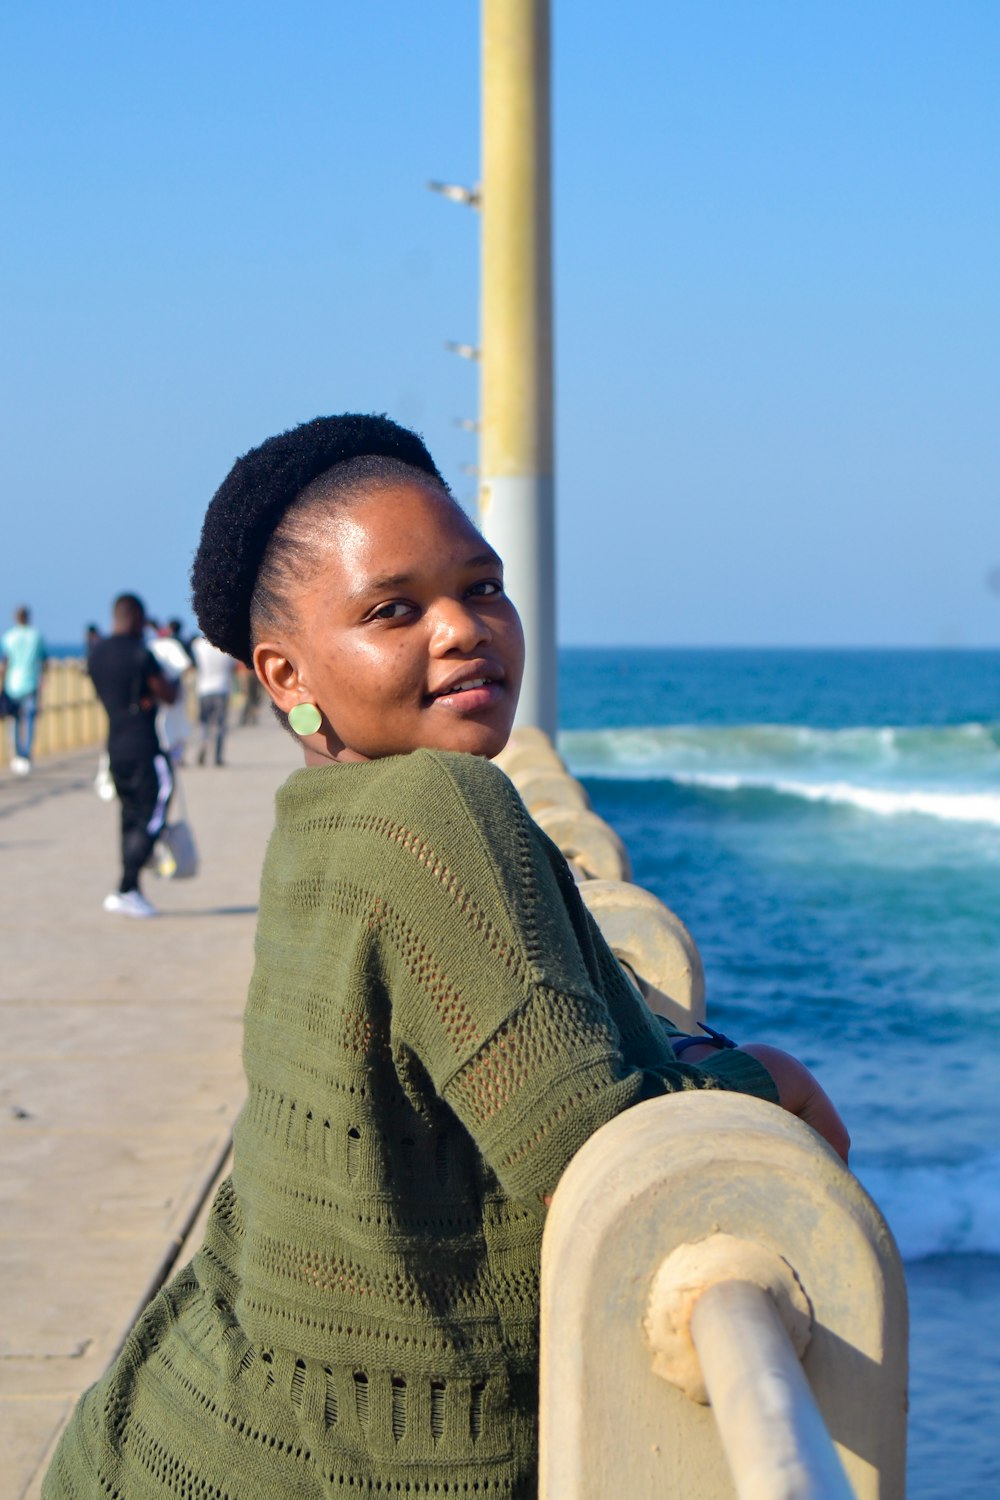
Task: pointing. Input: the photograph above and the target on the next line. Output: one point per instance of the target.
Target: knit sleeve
(522, 1026)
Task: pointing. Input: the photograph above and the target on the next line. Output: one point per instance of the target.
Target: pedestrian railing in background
(723, 1307)
(71, 718)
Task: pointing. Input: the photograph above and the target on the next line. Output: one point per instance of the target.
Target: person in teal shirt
(21, 669)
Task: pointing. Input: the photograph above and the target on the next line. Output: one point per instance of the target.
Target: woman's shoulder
(471, 776)
(434, 832)
(445, 785)
(447, 802)
(422, 783)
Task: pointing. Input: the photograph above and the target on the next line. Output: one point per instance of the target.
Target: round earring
(305, 718)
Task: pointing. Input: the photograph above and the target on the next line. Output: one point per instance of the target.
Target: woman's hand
(801, 1094)
(798, 1091)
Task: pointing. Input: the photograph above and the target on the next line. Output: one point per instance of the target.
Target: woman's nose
(458, 626)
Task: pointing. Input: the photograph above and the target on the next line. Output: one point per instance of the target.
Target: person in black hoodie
(131, 685)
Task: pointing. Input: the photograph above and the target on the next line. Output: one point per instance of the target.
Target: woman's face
(402, 635)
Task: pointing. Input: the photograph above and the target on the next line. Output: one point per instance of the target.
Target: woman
(434, 1026)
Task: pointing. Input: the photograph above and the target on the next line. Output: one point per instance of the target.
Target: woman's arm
(517, 1011)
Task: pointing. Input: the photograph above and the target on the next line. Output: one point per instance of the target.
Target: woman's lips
(471, 696)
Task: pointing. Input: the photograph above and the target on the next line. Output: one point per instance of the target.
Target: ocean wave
(940, 1209)
(951, 774)
(968, 745)
(952, 807)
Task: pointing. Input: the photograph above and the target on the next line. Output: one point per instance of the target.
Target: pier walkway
(119, 1068)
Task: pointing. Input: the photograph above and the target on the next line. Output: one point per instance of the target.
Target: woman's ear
(279, 675)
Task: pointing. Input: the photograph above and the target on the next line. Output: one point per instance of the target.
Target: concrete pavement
(119, 1068)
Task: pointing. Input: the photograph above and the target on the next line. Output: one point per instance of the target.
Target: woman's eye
(392, 611)
(487, 587)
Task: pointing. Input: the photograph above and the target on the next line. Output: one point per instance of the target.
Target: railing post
(685, 1173)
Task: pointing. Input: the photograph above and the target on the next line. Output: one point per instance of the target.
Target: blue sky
(776, 231)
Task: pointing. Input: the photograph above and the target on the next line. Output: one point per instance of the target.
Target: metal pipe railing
(774, 1437)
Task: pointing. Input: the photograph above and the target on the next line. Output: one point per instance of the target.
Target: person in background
(250, 684)
(172, 722)
(103, 785)
(24, 657)
(172, 630)
(214, 677)
(131, 684)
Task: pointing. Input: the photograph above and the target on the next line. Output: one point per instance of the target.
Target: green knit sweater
(434, 1027)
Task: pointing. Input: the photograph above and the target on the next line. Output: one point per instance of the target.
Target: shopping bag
(176, 854)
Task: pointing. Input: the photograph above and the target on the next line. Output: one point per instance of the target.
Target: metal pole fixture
(774, 1437)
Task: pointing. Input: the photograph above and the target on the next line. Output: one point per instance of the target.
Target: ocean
(827, 824)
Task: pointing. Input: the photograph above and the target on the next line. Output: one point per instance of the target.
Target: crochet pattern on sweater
(434, 1027)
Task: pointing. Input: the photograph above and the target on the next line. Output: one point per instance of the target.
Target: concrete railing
(695, 1248)
(723, 1308)
(71, 718)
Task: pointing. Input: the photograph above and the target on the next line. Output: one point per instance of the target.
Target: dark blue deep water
(827, 824)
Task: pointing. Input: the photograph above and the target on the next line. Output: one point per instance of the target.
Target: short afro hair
(253, 498)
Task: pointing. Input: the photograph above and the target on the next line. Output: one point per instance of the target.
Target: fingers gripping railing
(696, 1247)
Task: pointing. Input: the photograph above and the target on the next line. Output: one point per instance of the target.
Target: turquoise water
(828, 826)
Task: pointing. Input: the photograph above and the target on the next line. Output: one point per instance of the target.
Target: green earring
(305, 718)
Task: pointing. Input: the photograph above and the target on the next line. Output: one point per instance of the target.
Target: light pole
(516, 492)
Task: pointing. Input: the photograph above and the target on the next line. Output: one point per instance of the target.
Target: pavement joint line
(53, 1060)
(80, 1352)
(53, 1398)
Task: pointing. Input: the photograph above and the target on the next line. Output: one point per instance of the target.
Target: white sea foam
(968, 745)
(951, 773)
(953, 807)
(940, 1209)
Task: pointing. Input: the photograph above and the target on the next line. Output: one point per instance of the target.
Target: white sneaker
(20, 766)
(129, 904)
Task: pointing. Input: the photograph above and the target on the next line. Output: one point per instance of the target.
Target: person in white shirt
(214, 682)
(172, 723)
